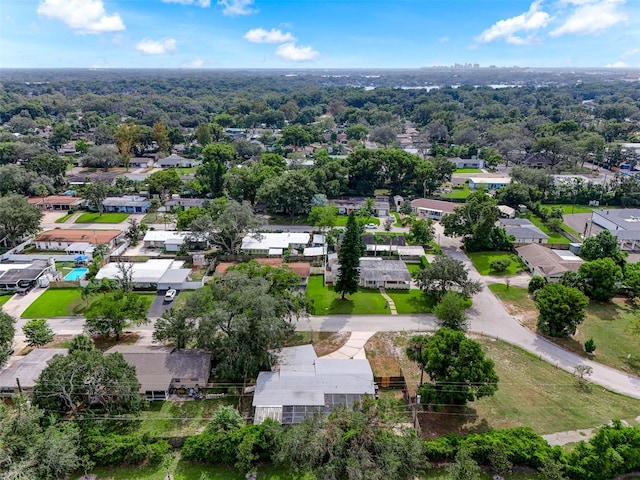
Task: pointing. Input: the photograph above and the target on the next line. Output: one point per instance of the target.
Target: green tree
(603, 245)
(561, 309)
(56, 453)
(450, 358)
(601, 278)
(38, 332)
(94, 194)
(349, 258)
(203, 134)
(465, 467)
(536, 283)
(7, 332)
(422, 231)
(18, 218)
(451, 311)
(101, 156)
(81, 343)
(82, 146)
(47, 164)
(352, 444)
(324, 216)
(296, 135)
(127, 136)
(217, 158)
(88, 380)
(357, 132)
(632, 278)
(500, 265)
(405, 208)
(445, 274)
(135, 232)
(590, 346)
(290, 193)
(113, 312)
(175, 327)
(552, 470)
(60, 134)
(160, 135)
(165, 182)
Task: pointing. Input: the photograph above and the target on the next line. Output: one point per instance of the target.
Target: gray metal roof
(29, 367)
(125, 201)
(526, 232)
(376, 269)
(175, 275)
(625, 218)
(521, 222)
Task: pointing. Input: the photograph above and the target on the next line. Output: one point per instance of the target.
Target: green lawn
(554, 237)
(65, 302)
(468, 170)
(532, 392)
(341, 220)
(397, 217)
(5, 298)
(65, 218)
(463, 192)
(56, 302)
(568, 209)
(482, 260)
(511, 294)
(411, 301)
(164, 419)
(105, 218)
(326, 301)
(158, 217)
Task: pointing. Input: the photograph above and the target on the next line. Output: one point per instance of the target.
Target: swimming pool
(76, 274)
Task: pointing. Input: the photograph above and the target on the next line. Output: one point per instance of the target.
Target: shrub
(500, 265)
(112, 449)
(536, 283)
(590, 346)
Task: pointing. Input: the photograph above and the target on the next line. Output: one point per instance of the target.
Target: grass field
(554, 237)
(513, 294)
(65, 302)
(568, 209)
(5, 298)
(482, 260)
(105, 218)
(468, 170)
(65, 218)
(157, 217)
(458, 192)
(398, 223)
(326, 301)
(165, 419)
(411, 301)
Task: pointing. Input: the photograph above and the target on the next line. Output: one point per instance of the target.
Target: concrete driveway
(160, 305)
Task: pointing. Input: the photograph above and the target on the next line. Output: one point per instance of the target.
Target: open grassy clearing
(607, 323)
(159, 217)
(411, 301)
(104, 218)
(326, 301)
(463, 192)
(554, 237)
(482, 262)
(468, 170)
(177, 419)
(568, 209)
(66, 302)
(530, 393)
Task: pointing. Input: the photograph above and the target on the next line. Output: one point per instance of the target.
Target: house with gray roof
(176, 161)
(549, 264)
(623, 223)
(302, 384)
(126, 204)
(161, 369)
(523, 231)
(26, 370)
(184, 203)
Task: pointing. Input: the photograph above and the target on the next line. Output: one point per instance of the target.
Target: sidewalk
(354, 347)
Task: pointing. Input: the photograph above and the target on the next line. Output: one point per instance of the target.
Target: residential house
(162, 369)
(25, 370)
(623, 223)
(433, 209)
(57, 202)
(506, 211)
(140, 162)
(537, 160)
(169, 240)
(488, 183)
(163, 273)
(61, 239)
(126, 204)
(398, 200)
(184, 203)
(274, 244)
(523, 231)
(549, 264)
(377, 272)
(301, 385)
(353, 204)
(22, 277)
(176, 161)
(473, 162)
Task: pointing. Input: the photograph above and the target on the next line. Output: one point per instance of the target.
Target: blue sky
(318, 33)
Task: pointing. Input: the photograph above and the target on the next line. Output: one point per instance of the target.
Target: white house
(168, 240)
(434, 209)
(488, 183)
(274, 243)
(473, 162)
(164, 273)
(623, 223)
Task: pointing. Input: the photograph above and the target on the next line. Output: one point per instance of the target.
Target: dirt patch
(328, 342)
(105, 343)
(382, 355)
(525, 314)
(459, 420)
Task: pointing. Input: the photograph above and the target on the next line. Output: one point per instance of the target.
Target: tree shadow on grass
(342, 307)
(461, 420)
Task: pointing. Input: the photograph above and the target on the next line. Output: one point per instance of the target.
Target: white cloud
(618, 64)
(200, 3)
(196, 63)
(534, 19)
(290, 53)
(234, 8)
(156, 47)
(591, 16)
(83, 16)
(260, 35)
(632, 52)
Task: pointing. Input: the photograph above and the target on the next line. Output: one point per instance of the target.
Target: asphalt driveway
(160, 305)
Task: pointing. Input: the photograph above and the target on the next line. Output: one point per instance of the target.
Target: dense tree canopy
(18, 218)
(446, 274)
(561, 309)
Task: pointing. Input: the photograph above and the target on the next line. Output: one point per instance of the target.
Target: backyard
(463, 192)
(554, 237)
(468, 170)
(66, 302)
(91, 217)
(482, 262)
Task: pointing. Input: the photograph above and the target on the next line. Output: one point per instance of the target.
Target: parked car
(371, 226)
(170, 295)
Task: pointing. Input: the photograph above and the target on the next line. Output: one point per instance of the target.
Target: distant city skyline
(318, 33)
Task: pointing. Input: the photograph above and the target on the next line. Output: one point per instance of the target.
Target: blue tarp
(81, 258)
